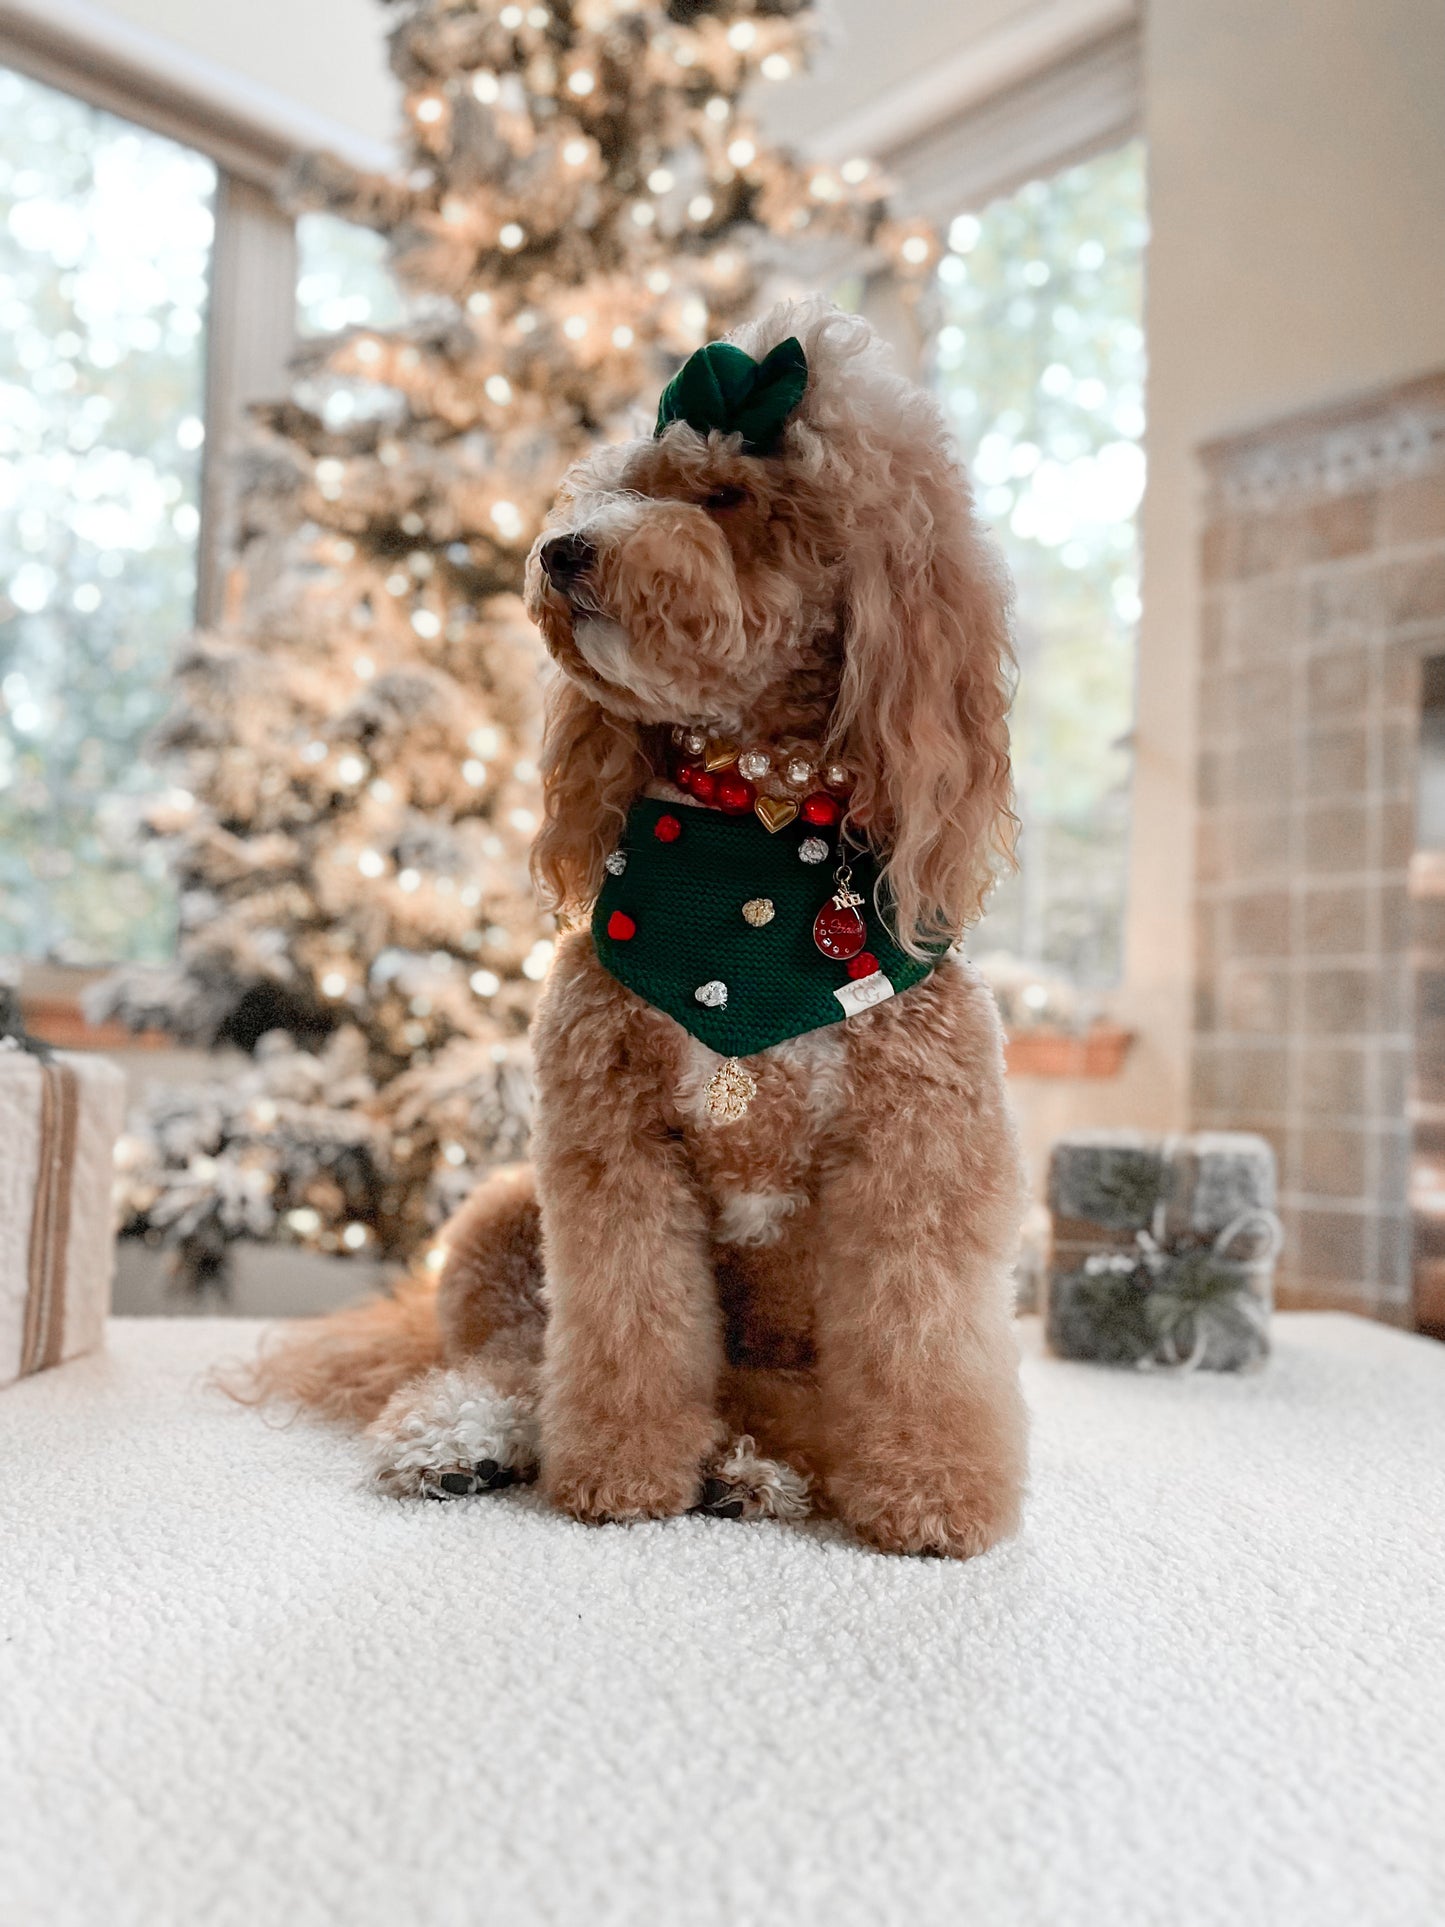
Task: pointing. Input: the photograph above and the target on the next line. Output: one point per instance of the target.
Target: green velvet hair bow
(721, 387)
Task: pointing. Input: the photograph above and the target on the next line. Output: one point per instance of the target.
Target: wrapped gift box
(1162, 1250)
(60, 1115)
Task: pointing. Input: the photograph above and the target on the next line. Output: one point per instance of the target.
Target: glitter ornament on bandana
(838, 930)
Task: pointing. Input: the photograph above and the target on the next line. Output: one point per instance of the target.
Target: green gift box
(1162, 1250)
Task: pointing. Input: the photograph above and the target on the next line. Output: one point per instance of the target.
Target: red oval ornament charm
(838, 931)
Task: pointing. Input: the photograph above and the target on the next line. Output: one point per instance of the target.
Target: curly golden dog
(803, 1299)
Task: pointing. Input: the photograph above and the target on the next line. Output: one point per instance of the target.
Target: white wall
(329, 56)
(1297, 202)
(866, 49)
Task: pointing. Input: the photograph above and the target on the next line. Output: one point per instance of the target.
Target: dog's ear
(592, 767)
(922, 714)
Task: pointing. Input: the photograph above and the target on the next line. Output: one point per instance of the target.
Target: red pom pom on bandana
(620, 926)
(863, 965)
(667, 829)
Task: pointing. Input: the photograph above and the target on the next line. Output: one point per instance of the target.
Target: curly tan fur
(828, 1275)
(851, 592)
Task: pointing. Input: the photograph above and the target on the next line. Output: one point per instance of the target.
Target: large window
(105, 240)
(128, 263)
(343, 278)
(1040, 359)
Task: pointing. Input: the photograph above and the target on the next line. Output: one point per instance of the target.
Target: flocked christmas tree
(588, 199)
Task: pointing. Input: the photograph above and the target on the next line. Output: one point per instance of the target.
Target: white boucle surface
(1206, 1686)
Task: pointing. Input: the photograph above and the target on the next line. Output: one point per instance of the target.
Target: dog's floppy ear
(922, 713)
(592, 768)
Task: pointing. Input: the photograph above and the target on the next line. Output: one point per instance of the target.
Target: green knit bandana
(683, 900)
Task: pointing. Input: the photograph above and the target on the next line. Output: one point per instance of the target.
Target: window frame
(250, 336)
(1027, 100)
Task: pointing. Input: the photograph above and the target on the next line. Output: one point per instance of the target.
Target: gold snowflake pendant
(729, 1091)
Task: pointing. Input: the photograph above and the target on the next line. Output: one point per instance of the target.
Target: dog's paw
(737, 1484)
(943, 1524)
(613, 1496)
(448, 1436)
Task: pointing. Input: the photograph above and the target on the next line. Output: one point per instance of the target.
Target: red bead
(735, 794)
(821, 811)
(703, 785)
(620, 926)
(685, 775)
(863, 965)
(667, 829)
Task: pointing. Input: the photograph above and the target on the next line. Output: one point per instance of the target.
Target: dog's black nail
(458, 1482)
(713, 1490)
(733, 1511)
(485, 1468)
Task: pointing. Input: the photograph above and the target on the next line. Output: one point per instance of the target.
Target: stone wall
(1324, 585)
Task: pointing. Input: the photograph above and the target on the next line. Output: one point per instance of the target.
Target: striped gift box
(59, 1119)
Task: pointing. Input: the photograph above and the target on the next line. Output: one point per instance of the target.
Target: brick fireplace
(1324, 596)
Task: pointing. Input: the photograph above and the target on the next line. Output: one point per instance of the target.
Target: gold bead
(758, 911)
(775, 812)
(729, 1091)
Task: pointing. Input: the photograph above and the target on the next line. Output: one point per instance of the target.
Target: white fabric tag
(862, 993)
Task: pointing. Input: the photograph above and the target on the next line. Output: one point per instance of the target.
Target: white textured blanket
(1208, 1685)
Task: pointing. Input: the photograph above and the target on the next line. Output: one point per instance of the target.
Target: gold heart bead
(719, 754)
(758, 911)
(775, 812)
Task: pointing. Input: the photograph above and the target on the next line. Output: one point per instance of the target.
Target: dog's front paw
(737, 1484)
(601, 1495)
(448, 1436)
(951, 1523)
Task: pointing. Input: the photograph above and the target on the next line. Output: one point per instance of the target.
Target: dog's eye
(724, 498)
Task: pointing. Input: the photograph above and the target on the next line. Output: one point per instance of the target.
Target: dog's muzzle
(565, 560)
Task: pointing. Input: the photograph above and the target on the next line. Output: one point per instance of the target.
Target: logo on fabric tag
(864, 992)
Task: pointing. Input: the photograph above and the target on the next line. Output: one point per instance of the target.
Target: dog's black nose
(566, 558)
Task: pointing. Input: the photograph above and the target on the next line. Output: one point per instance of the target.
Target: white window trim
(248, 129)
(1054, 86)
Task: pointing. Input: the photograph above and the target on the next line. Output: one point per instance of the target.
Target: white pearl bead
(754, 764)
(799, 772)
